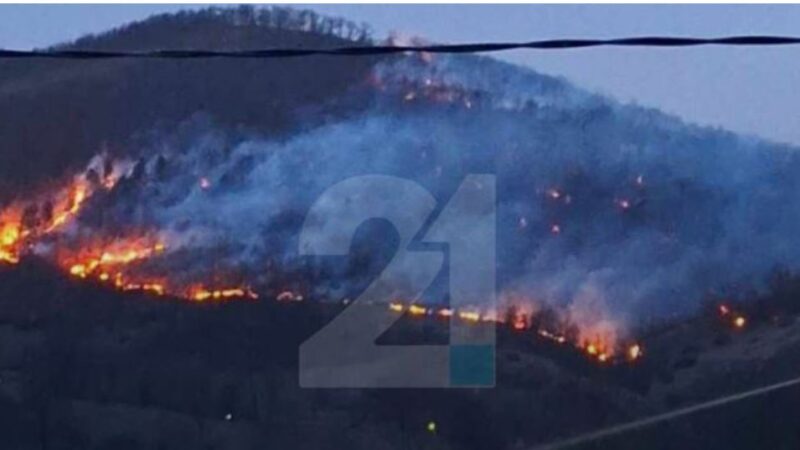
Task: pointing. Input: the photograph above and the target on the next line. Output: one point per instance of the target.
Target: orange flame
(201, 294)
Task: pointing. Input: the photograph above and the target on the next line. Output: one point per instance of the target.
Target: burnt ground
(83, 367)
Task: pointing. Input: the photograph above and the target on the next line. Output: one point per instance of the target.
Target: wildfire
(416, 310)
(552, 336)
(201, 294)
(121, 255)
(469, 316)
(634, 352)
(77, 197)
(519, 322)
(24, 222)
(153, 288)
(9, 237)
(737, 320)
(117, 263)
(600, 348)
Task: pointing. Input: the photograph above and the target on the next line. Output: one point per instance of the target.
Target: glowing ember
(396, 307)
(552, 336)
(201, 294)
(599, 350)
(555, 194)
(519, 322)
(289, 296)
(416, 310)
(736, 320)
(6, 256)
(634, 352)
(9, 239)
(205, 183)
(153, 288)
(555, 229)
(431, 427)
(445, 312)
(9, 235)
(469, 316)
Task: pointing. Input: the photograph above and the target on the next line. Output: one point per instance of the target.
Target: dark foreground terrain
(82, 367)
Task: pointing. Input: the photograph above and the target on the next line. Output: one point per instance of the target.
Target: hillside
(55, 114)
(154, 292)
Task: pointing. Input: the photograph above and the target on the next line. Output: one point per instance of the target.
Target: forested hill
(55, 114)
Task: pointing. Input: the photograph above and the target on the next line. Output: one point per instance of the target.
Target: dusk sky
(750, 90)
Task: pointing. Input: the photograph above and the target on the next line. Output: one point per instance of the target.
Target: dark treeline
(214, 24)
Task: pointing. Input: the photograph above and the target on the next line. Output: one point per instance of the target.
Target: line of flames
(107, 267)
(596, 349)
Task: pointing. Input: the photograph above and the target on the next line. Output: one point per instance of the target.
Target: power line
(652, 420)
(487, 47)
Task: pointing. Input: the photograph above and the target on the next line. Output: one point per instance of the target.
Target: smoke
(611, 213)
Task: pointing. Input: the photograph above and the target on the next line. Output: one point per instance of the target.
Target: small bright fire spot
(740, 322)
(204, 183)
(431, 427)
(634, 352)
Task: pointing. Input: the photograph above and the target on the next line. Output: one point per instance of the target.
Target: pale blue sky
(751, 90)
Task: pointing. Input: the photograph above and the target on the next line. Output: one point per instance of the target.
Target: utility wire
(604, 433)
(552, 44)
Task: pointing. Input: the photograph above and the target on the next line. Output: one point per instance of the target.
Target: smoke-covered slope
(614, 214)
(606, 210)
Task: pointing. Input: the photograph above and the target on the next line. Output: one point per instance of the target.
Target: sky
(748, 90)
